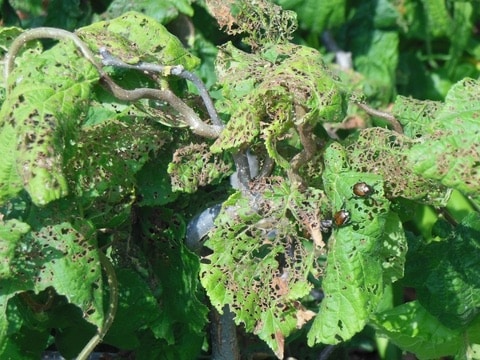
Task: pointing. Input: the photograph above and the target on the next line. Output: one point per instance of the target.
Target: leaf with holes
(385, 153)
(194, 165)
(261, 22)
(10, 180)
(452, 155)
(416, 116)
(46, 114)
(67, 260)
(11, 233)
(363, 257)
(162, 11)
(261, 258)
(134, 37)
(103, 169)
(273, 94)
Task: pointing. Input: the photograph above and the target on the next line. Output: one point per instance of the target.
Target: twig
(112, 308)
(192, 119)
(384, 115)
(40, 33)
(110, 60)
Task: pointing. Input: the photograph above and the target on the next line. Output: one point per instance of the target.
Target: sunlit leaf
(46, 115)
(134, 37)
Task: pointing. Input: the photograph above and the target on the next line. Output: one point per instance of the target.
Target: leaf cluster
(103, 166)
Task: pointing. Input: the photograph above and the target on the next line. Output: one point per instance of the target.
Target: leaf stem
(384, 115)
(112, 307)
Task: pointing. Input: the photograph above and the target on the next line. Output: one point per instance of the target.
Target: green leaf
(261, 259)
(438, 19)
(72, 331)
(162, 11)
(174, 270)
(153, 182)
(365, 254)
(11, 233)
(444, 274)
(28, 332)
(460, 33)
(315, 18)
(67, 14)
(194, 165)
(134, 37)
(416, 116)
(452, 155)
(45, 106)
(129, 320)
(154, 348)
(67, 260)
(414, 329)
(353, 287)
(377, 62)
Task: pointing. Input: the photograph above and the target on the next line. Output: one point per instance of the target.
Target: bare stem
(309, 148)
(192, 119)
(177, 70)
(112, 308)
(40, 33)
(190, 116)
(384, 115)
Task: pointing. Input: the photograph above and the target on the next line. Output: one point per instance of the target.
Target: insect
(341, 217)
(362, 189)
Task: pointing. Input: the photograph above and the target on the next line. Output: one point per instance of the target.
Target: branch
(40, 33)
(109, 60)
(384, 115)
(192, 119)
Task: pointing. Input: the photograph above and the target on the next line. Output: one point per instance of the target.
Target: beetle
(341, 217)
(362, 189)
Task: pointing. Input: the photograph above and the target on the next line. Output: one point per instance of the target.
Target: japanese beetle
(362, 189)
(341, 217)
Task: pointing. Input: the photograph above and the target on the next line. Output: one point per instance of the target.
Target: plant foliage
(112, 145)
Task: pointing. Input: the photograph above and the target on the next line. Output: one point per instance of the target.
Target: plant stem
(112, 307)
(384, 115)
(40, 33)
(177, 70)
(224, 335)
(192, 119)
